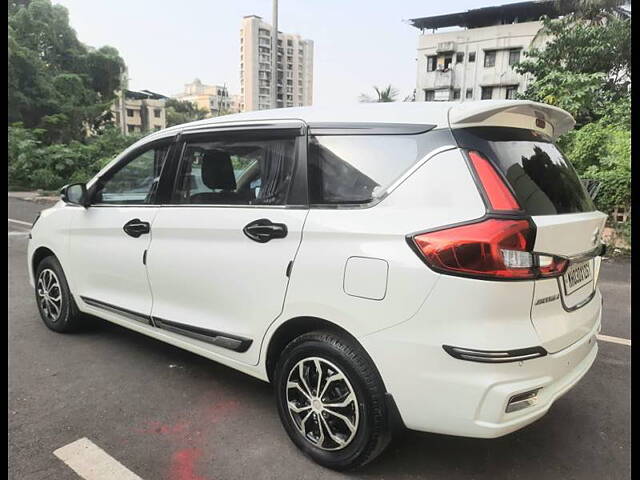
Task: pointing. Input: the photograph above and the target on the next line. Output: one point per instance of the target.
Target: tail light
(497, 192)
(495, 248)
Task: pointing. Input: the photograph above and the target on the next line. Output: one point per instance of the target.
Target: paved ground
(168, 414)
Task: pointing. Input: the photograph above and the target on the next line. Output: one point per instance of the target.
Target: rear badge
(551, 298)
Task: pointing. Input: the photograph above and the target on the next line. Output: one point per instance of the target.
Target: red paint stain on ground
(188, 436)
(221, 410)
(183, 465)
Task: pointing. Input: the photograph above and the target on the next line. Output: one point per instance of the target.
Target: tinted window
(236, 171)
(357, 169)
(135, 180)
(544, 182)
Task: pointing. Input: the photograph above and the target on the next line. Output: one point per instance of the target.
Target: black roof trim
(487, 16)
(349, 128)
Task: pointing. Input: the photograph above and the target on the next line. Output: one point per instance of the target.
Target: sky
(167, 43)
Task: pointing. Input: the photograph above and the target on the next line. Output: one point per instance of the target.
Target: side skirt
(219, 339)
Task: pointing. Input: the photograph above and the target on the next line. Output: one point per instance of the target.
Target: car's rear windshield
(542, 179)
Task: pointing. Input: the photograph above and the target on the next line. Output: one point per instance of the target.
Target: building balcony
(444, 78)
(446, 47)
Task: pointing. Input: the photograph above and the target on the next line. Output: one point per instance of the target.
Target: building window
(129, 112)
(469, 93)
(490, 58)
(514, 56)
(459, 57)
(130, 129)
(472, 57)
(429, 95)
(511, 92)
(456, 94)
(487, 93)
(447, 62)
(431, 63)
(157, 112)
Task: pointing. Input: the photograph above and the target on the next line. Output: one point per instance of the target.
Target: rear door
(567, 225)
(222, 249)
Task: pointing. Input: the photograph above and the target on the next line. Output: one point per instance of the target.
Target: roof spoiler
(512, 113)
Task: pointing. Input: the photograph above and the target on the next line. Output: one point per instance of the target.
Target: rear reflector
(494, 356)
(496, 248)
(522, 400)
(497, 192)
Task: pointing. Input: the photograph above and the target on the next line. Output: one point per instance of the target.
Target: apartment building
(294, 79)
(213, 98)
(139, 111)
(475, 61)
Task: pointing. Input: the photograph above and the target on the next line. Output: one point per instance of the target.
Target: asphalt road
(168, 414)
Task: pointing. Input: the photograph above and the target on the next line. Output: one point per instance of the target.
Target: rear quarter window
(358, 169)
(542, 179)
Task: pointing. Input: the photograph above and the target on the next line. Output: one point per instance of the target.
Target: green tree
(179, 111)
(55, 82)
(388, 94)
(584, 67)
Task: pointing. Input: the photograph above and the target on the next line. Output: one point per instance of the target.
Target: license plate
(577, 276)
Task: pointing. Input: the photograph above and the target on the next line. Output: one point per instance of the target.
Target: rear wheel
(331, 400)
(55, 303)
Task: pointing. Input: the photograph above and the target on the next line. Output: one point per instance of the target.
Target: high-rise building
(295, 67)
(475, 62)
(212, 98)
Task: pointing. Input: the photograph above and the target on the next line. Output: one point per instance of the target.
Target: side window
(357, 169)
(135, 181)
(236, 171)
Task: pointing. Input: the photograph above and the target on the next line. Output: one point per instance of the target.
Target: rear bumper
(435, 392)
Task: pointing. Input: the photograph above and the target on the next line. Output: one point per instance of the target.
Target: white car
(426, 265)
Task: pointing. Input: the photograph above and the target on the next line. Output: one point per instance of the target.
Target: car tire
(308, 410)
(57, 308)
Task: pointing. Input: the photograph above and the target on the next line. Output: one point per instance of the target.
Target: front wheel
(331, 400)
(55, 303)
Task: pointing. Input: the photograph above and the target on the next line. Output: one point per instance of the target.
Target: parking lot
(164, 413)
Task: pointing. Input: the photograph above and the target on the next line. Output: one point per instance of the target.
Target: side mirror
(75, 194)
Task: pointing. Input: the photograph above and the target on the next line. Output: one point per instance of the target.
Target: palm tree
(388, 94)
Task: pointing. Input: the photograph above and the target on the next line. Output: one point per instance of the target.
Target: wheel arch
(294, 327)
(38, 255)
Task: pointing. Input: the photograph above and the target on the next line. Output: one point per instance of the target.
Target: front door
(221, 251)
(108, 240)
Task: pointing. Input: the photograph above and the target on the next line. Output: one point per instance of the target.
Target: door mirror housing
(75, 194)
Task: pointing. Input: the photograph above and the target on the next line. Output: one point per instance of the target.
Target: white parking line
(92, 463)
(19, 222)
(621, 341)
(18, 234)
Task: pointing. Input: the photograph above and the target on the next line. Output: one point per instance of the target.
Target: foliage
(34, 164)
(56, 83)
(585, 68)
(585, 65)
(178, 112)
(388, 94)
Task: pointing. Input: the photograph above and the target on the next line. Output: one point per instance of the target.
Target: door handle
(263, 230)
(136, 227)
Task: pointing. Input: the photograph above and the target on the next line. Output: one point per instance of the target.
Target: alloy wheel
(49, 294)
(322, 403)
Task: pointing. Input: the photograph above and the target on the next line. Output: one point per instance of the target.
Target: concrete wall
(473, 75)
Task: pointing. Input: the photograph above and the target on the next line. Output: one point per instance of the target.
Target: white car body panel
(353, 268)
(99, 229)
(203, 268)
